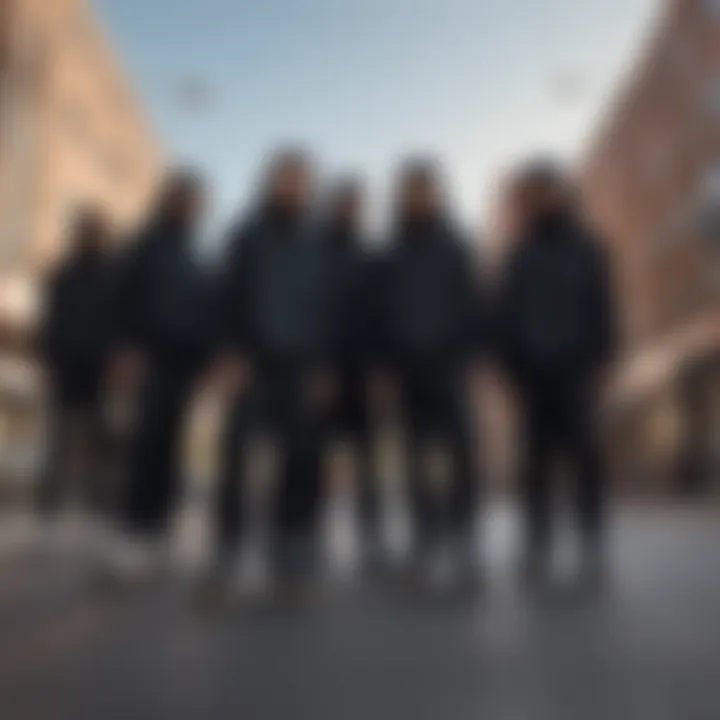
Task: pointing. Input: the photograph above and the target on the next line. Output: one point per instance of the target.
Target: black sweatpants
(76, 441)
(155, 473)
(559, 419)
(437, 413)
(350, 421)
(276, 405)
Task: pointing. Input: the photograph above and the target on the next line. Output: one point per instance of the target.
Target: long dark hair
(423, 171)
(347, 189)
(90, 233)
(541, 179)
(290, 157)
(176, 187)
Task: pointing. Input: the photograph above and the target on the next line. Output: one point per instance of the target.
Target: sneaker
(593, 573)
(296, 570)
(375, 558)
(469, 562)
(58, 536)
(436, 568)
(216, 589)
(135, 560)
(534, 570)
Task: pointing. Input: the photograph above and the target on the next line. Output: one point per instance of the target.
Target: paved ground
(650, 648)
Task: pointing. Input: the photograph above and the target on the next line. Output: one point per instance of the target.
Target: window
(29, 62)
(117, 167)
(656, 161)
(75, 122)
(713, 8)
(681, 57)
(710, 185)
(712, 99)
(67, 210)
(708, 214)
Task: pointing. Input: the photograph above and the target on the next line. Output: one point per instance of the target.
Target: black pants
(559, 418)
(155, 472)
(350, 421)
(436, 412)
(277, 405)
(76, 441)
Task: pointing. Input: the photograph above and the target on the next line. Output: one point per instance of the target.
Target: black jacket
(555, 311)
(349, 267)
(162, 303)
(76, 328)
(276, 292)
(425, 298)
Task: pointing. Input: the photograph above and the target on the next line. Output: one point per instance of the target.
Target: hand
(45, 376)
(602, 389)
(232, 376)
(128, 368)
(321, 390)
(474, 380)
(383, 390)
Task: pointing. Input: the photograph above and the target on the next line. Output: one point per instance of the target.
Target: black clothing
(436, 413)
(350, 420)
(423, 298)
(556, 333)
(276, 312)
(555, 308)
(350, 267)
(163, 300)
(76, 333)
(559, 418)
(74, 345)
(276, 293)
(156, 453)
(277, 407)
(163, 310)
(77, 451)
(425, 328)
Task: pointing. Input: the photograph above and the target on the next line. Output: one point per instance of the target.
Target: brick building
(652, 184)
(71, 133)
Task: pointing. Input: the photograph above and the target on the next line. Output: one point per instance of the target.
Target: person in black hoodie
(349, 270)
(277, 343)
(556, 334)
(425, 340)
(161, 325)
(74, 348)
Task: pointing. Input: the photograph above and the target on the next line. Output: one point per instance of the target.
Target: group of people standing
(311, 334)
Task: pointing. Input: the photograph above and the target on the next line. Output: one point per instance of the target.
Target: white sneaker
(56, 537)
(133, 560)
(469, 561)
(438, 570)
(234, 579)
(253, 577)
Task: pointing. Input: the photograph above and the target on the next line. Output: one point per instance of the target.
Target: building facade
(652, 184)
(71, 134)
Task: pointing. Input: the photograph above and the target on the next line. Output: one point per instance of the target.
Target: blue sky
(363, 81)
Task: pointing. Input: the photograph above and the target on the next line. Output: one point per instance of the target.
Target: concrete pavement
(649, 648)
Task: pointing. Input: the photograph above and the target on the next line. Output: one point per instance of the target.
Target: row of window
(113, 164)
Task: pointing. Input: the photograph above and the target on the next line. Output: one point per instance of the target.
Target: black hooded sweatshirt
(276, 292)
(76, 328)
(555, 312)
(425, 298)
(162, 303)
(349, 267)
